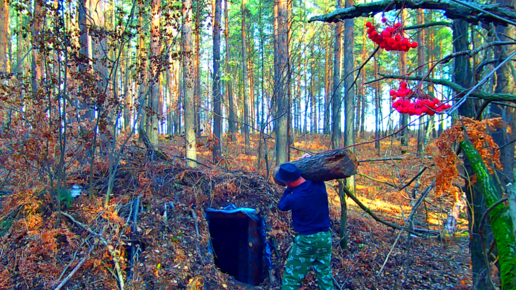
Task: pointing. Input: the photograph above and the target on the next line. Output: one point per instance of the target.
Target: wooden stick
(392, 248)
(110, 250)
(75, 269)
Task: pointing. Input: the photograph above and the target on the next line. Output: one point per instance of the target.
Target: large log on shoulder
(329, 165)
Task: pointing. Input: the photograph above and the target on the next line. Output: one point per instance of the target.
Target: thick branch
(457, 88)
(470, 13)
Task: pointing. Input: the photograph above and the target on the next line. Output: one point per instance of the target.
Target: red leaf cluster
(421, 103)
(391, 38)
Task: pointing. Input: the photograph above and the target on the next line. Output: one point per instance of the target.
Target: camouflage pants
(309, 250)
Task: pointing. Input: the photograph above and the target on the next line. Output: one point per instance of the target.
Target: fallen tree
(329, 165)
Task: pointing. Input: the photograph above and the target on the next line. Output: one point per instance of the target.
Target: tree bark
(188, 84)
(329, 165)
(336, 92)
(217, 112)
(244, 83)
(197, 69)
(229, 86)
(281, 85)
(4, 33)
(421, 72)
(155, 64)
(462, 76)
(404, 137)
(502, 225)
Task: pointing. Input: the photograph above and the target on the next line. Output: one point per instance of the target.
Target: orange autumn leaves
(446, 159)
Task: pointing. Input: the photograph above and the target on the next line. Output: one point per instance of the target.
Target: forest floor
(171, 236)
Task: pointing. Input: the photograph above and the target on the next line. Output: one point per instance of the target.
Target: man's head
(289, 174)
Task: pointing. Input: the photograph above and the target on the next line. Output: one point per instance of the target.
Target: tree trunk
(421, 72)
(281, 85)
(327, 89)
(477, 208)
(4, 33)
(244, 83)
(329, 165)
(188, 83)
(197, 69)
(377, 108)
(217, 112)
(505, 83)
(229, 87)
(404, 137)
(501, 222)
(36, 38)
(336, 92)
(155, 64)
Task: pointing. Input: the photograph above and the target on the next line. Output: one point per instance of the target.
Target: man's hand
(304, 156)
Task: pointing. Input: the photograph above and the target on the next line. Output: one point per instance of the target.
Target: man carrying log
(308, 201)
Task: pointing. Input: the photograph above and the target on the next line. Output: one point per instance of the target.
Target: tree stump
(329, 165)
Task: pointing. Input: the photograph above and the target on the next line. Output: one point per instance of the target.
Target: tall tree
(245, 76)
(505, 83)
(155, 66)
(84, 54)
(229, 84)
(217, 112)
(281, 85)
(421, 72)
(349, 110)
(336, 92)
(462, 75)
(188, 85)
(336, 127)
(197, 67)
(4, 33)
(36, 41)
(404, 138)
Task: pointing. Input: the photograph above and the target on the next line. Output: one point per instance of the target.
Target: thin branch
(381, 159)
(489, 209)
(414, 178)
(75, 269)
(377, 180)
(456, 87)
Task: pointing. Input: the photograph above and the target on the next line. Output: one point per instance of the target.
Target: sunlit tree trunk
(281, 85)
(245, 77)
(36, 39)
(188, 79)
(4, 34)
(155, 65)
(84, 52)
(217, 112)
